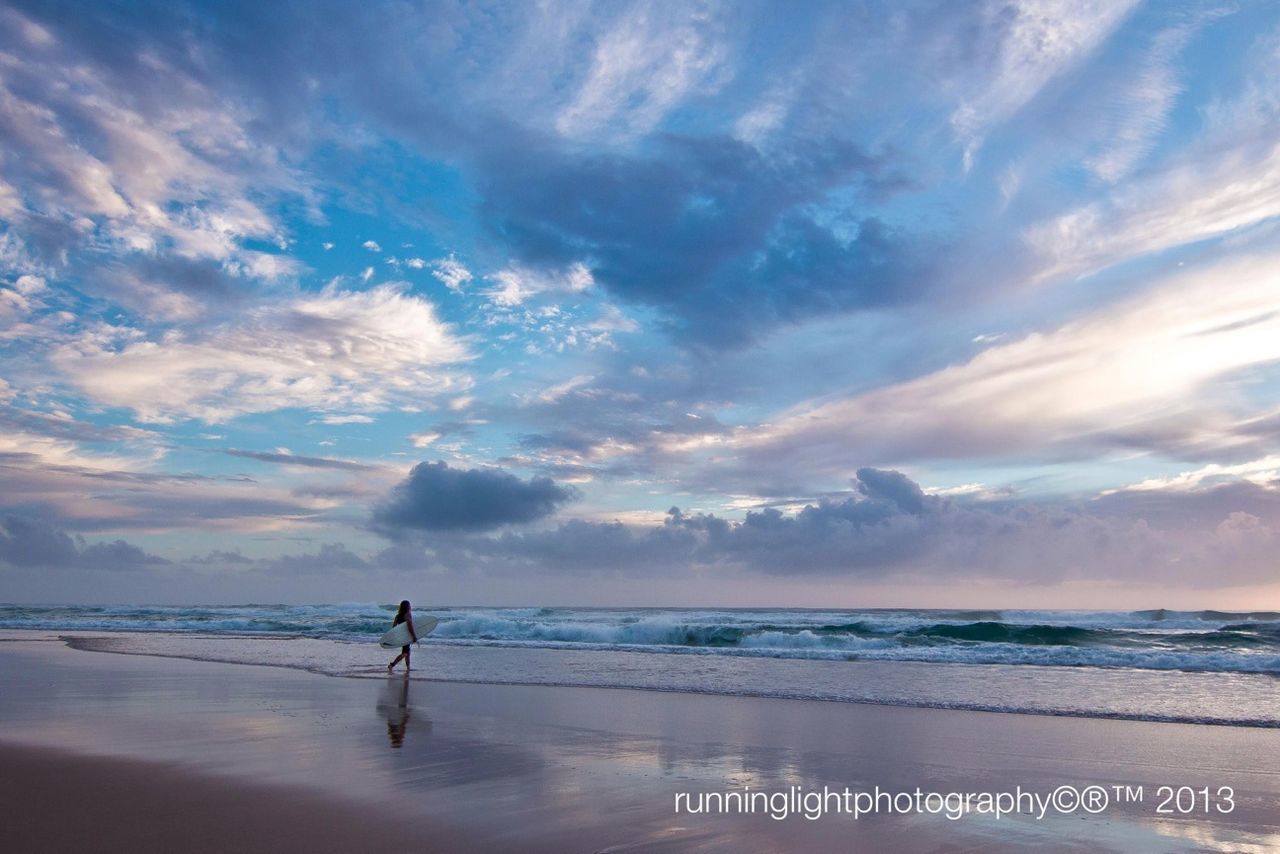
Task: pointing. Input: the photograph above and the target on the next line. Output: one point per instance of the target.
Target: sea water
(1191, 666)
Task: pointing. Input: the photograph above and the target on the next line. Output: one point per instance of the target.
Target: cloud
(129, 148)
(555, 392)
(35, 543)
(17, 420)
(436, 497)
(329, 559)
(329, 350)
(301, 461)
(647, 61)
(888, 528)
(1037, 41)
(1225, 181)
(891, 486)
(449, 271)
(517, 285)
(346, 419)
(1147, 373)
(171, 288)
(723, 240)
(372, 246)
(1147, 101)
(86, 491)
(1261, 472)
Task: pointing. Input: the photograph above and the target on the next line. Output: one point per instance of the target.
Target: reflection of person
(398, 718)
(403, 616)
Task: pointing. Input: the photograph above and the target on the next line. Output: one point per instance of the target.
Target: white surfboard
(399, 635)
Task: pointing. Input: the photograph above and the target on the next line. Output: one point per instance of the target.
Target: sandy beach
(107, 752)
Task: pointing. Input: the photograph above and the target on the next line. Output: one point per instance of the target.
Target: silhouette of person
(403, 616)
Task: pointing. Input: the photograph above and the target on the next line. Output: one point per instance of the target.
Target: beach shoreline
(554, 768)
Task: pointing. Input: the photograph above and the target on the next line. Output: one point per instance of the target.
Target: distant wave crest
(1211, 641)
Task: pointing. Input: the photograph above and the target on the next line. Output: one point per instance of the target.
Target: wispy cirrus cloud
(645, 64)
(1148, 373)
(1226, 180)
(299, 460)
(1146, 101)
(1036, 41)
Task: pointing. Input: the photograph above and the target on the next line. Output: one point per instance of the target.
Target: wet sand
(103, 752)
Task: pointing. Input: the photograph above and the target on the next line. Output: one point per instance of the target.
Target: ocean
(1211, 667)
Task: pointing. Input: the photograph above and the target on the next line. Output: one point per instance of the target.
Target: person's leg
(406, 659)
(394, 662)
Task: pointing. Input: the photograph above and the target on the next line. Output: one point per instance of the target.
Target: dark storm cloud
(893, 487)
(32, 543)
(435, 497)
(889, 527)
(1176, 508)
(330, 558)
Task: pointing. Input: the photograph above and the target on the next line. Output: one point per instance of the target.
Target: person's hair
(404, 606)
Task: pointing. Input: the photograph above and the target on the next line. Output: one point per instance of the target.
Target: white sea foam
(1194, 641)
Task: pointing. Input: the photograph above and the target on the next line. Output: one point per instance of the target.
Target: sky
(749, 303)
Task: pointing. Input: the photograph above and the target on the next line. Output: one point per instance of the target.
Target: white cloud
(643, 67)
(18, 303)
(518, 284)
(332, 350)
(372, 246)
(552, 393)
(612, 319)
(1263, 472)
(451, 273)
(1145, 106)
(1190, 202)
(422, 440)
(346, 419)
(28, 285)
(415, 263)
(1227, 180)
(1144, 373)
(1045, 39)
(366, 274)
(326, 246)
(182, 175)
(766, 116)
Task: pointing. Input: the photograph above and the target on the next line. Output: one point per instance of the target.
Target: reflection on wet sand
(394, 707)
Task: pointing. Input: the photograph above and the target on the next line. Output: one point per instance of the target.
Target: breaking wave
(1209, 641)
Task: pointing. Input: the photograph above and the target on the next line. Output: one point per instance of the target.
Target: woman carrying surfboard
(403, 616)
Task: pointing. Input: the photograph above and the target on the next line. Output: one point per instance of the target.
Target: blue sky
(744, 303)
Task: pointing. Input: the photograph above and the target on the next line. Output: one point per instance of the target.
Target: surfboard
(399, 635)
